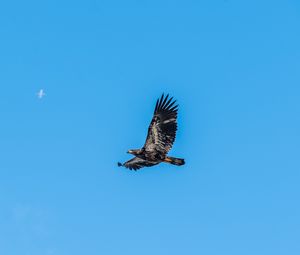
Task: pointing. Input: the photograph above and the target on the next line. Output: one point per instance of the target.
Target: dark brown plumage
(160, 138)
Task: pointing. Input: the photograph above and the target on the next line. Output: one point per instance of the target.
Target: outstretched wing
(163, 127)
(137, 163)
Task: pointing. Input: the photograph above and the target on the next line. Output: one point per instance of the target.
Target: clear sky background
(234, 68)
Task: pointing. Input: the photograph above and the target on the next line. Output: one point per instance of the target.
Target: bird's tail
(175, 161)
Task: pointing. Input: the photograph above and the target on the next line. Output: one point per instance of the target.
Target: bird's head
(133, 152)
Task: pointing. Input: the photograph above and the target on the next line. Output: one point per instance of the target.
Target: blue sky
(232, 65)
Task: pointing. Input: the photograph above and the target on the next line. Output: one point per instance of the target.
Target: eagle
(160, 138)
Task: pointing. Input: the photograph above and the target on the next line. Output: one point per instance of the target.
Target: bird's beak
(129, 151)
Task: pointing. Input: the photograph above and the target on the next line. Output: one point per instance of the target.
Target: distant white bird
(41, 94)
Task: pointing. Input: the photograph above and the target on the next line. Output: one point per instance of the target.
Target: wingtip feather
(160, 101)
(164, 102)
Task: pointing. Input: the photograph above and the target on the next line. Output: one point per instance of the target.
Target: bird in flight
(41, 94)
(160, 138)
